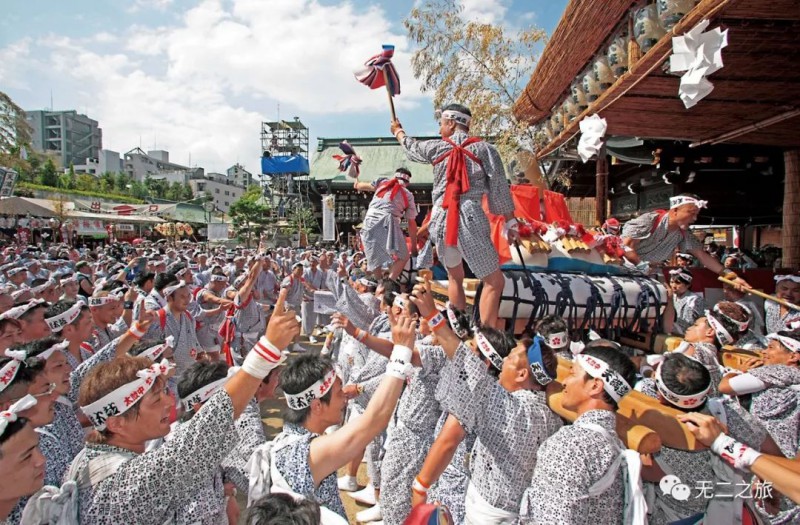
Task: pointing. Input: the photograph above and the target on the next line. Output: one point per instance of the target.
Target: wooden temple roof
(755, 96)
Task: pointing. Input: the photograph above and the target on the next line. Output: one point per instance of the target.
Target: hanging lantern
(578, 94)
(647, 28)
(670, 12)
(557, 121)
(602, 73)
(570, 110)
(617, 54)
(591, 86)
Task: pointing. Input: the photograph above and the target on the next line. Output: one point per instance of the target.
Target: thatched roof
(756, 91)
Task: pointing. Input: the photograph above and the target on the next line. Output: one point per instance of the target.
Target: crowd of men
(131, 379)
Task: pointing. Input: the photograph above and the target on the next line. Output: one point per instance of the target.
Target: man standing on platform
(652, 237)
(465, 169)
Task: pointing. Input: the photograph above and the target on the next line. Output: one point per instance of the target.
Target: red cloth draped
(457, 184)
(526, 206)
(394, 185)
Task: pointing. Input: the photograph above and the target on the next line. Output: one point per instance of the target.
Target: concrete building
(73, 137)
(138, 164)
(108, 161)
(222, 192)
(240, 176)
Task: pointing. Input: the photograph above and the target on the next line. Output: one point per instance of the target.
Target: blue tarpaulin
(284, 164)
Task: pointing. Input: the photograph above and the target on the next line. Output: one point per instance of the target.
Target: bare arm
(412, 234)
(376, 344)
(440, 454)
(423, 298)
(669, 313)
(364, 186)
(247, 287)
(332, 451)
(630, 250)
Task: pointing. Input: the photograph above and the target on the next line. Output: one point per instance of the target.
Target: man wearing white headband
(314, 280)
(773, 389)
(248, 314)
(779, 317)
(30, 316)
(296, 285)
(465, 169)
(106, 308)
(21, 462)
(302, 458)
(687, 306)
(213, 306)
(382, 235)
(583, 471)
(653, 236)
(126, 402)
(510, 416)
(72, 321)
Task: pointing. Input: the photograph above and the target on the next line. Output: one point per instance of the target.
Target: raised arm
(439, 456)
(422, 297)
(249, 282)
(363, 186)
(376, 344)
(330, 452)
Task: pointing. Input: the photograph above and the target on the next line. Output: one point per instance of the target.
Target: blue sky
(196, 77)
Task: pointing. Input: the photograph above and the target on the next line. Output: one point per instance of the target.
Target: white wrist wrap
(400, 362)
(136, 331)
(737, 455)
(262, 359)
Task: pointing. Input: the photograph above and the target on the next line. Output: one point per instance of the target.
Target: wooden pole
(601, 185)
(389, 92)
(790, 233)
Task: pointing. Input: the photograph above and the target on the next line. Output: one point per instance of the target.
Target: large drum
(603, 303)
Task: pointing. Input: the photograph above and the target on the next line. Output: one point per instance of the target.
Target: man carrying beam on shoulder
(465, 169)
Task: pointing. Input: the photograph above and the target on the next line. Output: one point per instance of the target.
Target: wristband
(360, 335)
(257, 363)
(128, 305)
(396, 133)
(437, 321)
(737, 455)
(432, 315)
(400, 362)
(136, 330)
(419, 486)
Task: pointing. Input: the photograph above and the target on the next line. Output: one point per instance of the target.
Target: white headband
(101, 301)
(681, 401)
(318, 390)
(613, 383)
(154, 352)
(681, 275)
(403, 176)
(219, 278)
(399, 301)
(19, 311)
(169, 290)
(9, 371)
(724, 337)
(461, 118)
(204, 393)
(557, 340)
(15, 271)
(12, 414)
(461, 333)
(793, 345)
(58, 322)
(487, 350)
(119, 401)
(682, 255)
(788, 277)
(680, 200)
(71, 279)
(58, 346)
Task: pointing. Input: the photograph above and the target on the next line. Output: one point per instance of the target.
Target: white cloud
(485, 11)
(203, 84)
(141, 5)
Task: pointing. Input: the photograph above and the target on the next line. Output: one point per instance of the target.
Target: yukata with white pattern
(775, 321)
(411, 436)
(382, 236)
(250, 431)
(510, 428)
(208, 333)
(689, 307)
(656, 243)
(292, 462)
(60, 441)
(183, 329)
(150, 488)
(487, 178)
(568, 464)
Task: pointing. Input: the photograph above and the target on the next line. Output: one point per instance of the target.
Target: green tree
(188, 194)
(122, 181)
(85, 182)
(301, 220)
(107, 181)
(482, 66)
(156, 187)
(138, 190)
(175, 191)
(249, 215)
(48, 175)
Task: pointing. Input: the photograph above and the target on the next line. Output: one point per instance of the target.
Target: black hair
(391, 288)
(403, 170)
(727, 323)
(62, 306)
(38, 282)
(34, 348)
(502, 342)
(111, 285)
(462, 322)
(299, 373)
(283, 509)
(27, 372)
(163, 280)
(611, 353)
(684, 376)
(551, 324)
(11, 430)
(141, 279)
(199, 375)
(32, 309)
(458, 107)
